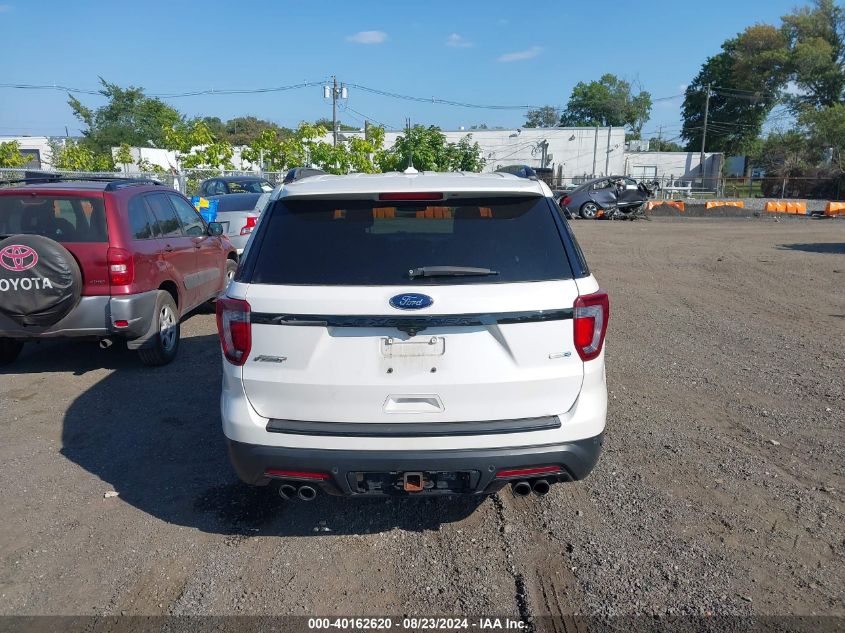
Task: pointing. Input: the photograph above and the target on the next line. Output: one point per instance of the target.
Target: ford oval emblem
(411, 301)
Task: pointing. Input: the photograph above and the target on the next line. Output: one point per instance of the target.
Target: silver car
(239, 214)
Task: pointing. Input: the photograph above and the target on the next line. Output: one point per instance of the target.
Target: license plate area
(431, 482)
(416, 347)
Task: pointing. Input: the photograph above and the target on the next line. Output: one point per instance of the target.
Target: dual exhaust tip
(305, 492)
(539, 487)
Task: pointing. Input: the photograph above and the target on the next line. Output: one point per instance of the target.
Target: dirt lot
(720, 491)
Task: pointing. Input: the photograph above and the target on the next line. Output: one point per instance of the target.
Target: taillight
(121, 266)
(234, 329)
(250, 224)
(565, 202)
(590, 325)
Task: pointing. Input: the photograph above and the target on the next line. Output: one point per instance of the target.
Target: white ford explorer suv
(413, 334)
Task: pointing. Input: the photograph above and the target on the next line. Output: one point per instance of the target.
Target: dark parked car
(605, 194)
(234, 184)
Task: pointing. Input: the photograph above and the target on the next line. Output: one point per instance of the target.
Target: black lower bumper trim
(413, 429)
(251, 462)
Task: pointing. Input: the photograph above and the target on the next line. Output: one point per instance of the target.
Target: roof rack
(298, 173)
(114, 182)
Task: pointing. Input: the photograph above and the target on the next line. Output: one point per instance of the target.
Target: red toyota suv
(108, 259)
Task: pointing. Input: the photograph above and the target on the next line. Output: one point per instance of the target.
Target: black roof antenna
(410, 168)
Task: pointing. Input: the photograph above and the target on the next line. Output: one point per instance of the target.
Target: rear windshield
(363, 242)
(61, 218)
(249, 186)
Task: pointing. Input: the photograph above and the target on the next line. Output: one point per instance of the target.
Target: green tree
(10, 155)
(266, 151)
(816, 37)
(245, 130)
(430, 152)
(215, 125)
(546, 116)
(465, 155)
(72, 156)
(744, 80)
(123, 156)
(825, 132)
(341, 126)
(195, 146)
(662, 145)
(129, 116)
(610, 101)
(363, 150)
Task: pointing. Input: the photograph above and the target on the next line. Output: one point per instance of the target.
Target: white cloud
(368, 37)
(457, 41)
(519, 56)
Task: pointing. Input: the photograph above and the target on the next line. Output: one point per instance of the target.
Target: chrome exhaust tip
(306, 493)
(287, 491)
(541, 487)
(521, 489)
(106, 343)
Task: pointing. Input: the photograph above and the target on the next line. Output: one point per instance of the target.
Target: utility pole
(335, 93)
(704, 134)
(607, 154)
(334, 111)
(595, 148)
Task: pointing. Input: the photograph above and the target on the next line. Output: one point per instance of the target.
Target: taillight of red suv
(121, 266)
(590, 326)
(234, 329)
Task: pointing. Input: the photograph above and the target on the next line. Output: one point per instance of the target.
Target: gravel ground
(719, 492)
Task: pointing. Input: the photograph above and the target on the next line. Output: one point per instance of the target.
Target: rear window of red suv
(61, 218)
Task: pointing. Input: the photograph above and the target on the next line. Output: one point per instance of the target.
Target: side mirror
(215, 229)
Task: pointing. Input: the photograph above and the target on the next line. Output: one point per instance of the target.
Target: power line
(172, 95)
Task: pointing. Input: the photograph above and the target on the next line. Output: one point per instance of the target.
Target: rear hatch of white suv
(412, 307)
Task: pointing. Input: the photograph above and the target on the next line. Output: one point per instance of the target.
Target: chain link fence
(828, 188)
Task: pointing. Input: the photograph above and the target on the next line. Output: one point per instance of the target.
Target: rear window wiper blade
(449, 271)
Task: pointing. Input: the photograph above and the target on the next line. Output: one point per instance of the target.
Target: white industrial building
(35, 148)
(570, 153)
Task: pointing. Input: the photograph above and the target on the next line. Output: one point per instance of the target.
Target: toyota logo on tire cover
(18, 258)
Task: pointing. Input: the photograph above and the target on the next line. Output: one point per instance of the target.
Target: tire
(589, 210)
(10, 348)
(40, 280)
(164, 344)
(231, 269)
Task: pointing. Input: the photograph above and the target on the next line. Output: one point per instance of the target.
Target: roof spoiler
(298, 173)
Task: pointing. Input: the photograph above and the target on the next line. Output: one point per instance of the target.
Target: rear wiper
(449, 271)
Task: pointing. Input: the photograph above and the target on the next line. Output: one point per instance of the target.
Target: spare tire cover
(40, 281)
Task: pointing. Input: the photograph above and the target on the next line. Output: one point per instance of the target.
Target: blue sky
(488, 52)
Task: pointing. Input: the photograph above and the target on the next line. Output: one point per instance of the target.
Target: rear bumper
(577, 458)
(94, 317)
